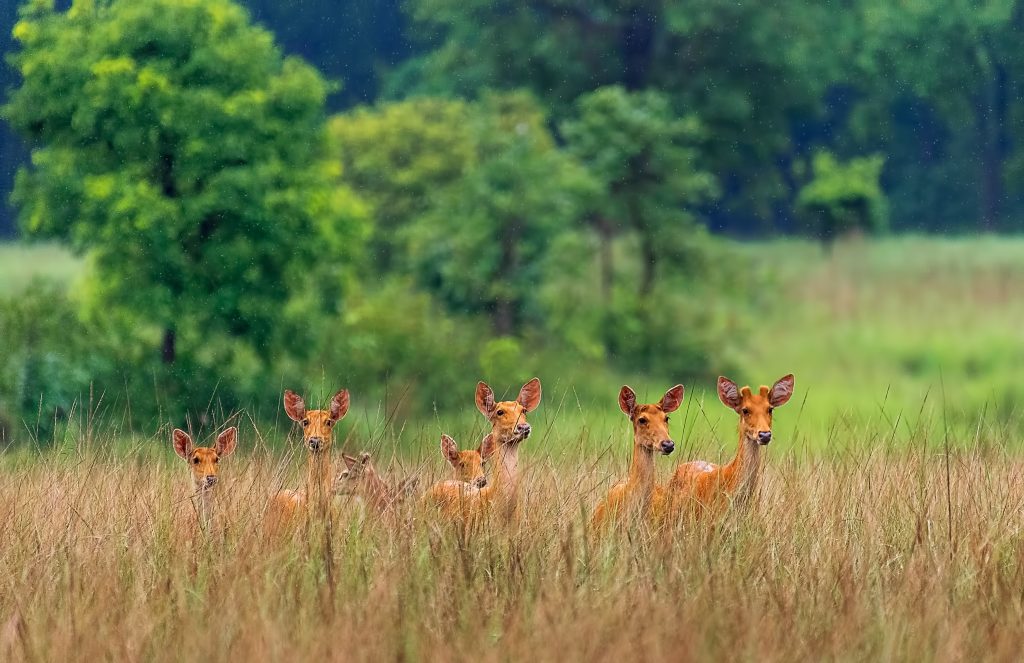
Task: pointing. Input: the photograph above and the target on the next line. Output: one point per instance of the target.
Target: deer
(204, 466)
(700, 487)
(638, 494)
(361, 479)
(317, 437)
(453, 495)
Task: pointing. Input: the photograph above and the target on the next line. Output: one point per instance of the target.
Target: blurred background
(206, 201)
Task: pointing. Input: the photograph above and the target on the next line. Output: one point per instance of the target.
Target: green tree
(645, 161)
(747, 69)
(843, 197)
(179, 149)
(483, 239)
(398, 156)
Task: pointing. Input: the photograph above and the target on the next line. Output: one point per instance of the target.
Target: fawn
(204, 464)
(361, 479)
(636, 495)
(454, 494)
(508, 429)
(699, 486)
(317, 436)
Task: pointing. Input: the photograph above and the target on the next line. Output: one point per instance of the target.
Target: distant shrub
(50, 358)
(843, 197)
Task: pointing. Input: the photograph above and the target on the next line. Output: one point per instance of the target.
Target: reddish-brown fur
(699, 487)
(454, 495)
(204, 466)
(508, 429)
(361, 479)
(317, 437)
(637, 494)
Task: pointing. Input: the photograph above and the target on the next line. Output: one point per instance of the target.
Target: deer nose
(667, 446)
(211, 479)
(524, 430)
(480, 482)
(315, 443)
(764, 437)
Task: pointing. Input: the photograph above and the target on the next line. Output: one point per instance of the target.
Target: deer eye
(305, 422)
(666, 418)
(642, 421)
(329, 423)
(216, 459)
(500, 413)
(746, 411)
(195, 461)
(770, 410)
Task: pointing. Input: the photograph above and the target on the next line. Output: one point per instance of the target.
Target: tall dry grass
(892, 554)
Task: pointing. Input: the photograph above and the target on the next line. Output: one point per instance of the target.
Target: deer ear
(182, 443)
(294, 406)
(781, 391)
(226, 442)
(449, 449)
(484, 399)
(627, 400)
(529, 395)
(350, 461)
(672, 399)
(339, 405)
(487, 446)
(729, 393)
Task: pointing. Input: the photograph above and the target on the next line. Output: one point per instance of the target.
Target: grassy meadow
(887, 524)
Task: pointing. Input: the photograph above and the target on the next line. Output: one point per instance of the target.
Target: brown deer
(204, 466)
(317, 437)
(360, 479)
(637, 495)
(454, 495)
(700, 487)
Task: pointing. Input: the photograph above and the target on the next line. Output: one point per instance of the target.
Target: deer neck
(378, 493)
(205, 502)
(506, 470)
(641, 470)
(744, 469)
(318, 476)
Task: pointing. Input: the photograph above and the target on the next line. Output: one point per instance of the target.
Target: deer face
(508, 418)
(204, 461)
(468, 465)
(317, 425)
(755, 410)
(650, 422)
(357, 472)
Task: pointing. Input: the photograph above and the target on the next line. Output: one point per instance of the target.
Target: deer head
(650, 422)
(204, 461)
(317, 425)
(755, 410)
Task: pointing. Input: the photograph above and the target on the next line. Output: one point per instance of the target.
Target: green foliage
(644, 158)
(397, 157)
(843, 197)
(182, 152)
(50, 360)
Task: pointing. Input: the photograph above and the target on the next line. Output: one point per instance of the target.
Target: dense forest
(452, 185)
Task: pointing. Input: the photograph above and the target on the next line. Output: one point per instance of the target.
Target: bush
(843, 197)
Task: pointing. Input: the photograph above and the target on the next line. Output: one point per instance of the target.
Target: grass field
(887, 524)
(867, 557)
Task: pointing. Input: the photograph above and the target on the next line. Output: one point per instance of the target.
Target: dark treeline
(932, 88)
(457, 188)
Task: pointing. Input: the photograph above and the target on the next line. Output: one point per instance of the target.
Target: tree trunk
(993, 138)
(169, 352)
(505, 305)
